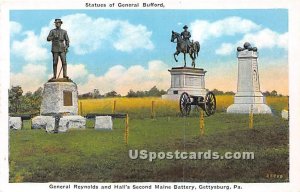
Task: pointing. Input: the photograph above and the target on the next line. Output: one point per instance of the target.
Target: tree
(273, 93)
(14, 97)
(229, 93)
(36, 100)
(266, 93)
(96, 93)
(86, 95)
(153, 92)
(27, 103)
(131, 93)
(112, 94)
(217, 92)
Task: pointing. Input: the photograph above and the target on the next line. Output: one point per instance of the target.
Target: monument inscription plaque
(68, 98)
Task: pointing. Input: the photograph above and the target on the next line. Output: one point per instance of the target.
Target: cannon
(208, 103)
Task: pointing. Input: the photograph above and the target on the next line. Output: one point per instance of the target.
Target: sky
(131, 49)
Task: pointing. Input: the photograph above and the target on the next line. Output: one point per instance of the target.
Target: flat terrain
(101, 156)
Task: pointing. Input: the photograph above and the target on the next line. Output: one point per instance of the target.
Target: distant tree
(131, 93)
(14, 97)
(36, 100)
(112, 94)
(88, 95)
(27, 103)
(153, 92)
(28, 94)
(229, 93)
(266, 93)
(96, 94)
(141, 93)
(273, 93)
(217, 92)
(162, 92)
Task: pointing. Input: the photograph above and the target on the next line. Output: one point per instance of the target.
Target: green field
(101, 156)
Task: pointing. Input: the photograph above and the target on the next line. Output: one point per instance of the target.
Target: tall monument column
(248, 96)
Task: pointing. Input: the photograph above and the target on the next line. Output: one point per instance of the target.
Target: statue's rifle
(60, 71)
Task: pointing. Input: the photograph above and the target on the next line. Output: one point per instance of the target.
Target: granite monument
(248, 96)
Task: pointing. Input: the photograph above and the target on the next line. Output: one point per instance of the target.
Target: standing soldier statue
(60, 45)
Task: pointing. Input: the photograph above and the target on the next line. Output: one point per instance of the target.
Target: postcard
(150, 95)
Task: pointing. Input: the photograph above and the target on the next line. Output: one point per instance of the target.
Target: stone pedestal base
(65, 123)
(243, 101)
(245, 108)
(59, 97)
(186, 79)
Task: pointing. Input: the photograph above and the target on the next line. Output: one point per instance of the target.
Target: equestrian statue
(184, 45)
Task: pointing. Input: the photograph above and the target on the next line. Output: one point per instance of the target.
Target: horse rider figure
(186, 35)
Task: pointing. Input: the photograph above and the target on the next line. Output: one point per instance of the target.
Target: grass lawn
(101, 156)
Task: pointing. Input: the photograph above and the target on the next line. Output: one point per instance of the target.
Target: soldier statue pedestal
(59, 101)
(59, 106)
(60, 98)
(186, 79)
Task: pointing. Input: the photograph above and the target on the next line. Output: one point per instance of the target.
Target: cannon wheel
(185, 104)
(210, 103)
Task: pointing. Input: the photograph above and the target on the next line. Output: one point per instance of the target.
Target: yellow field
(142, 107)
(278, 103)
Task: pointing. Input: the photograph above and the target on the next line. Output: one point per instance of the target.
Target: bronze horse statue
(182, 47)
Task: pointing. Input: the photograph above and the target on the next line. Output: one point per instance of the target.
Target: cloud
(225, 49)
(30, 78)
(89, 34)
(77, 72)
(132, 37)
(263, 39)
(30, 48)
(123, 79)
(202, 30)
(86, 34)
(117, 78)
(283, 41)
(266, 38)
(15, 27)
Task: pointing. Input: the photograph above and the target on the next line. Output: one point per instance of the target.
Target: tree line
(153, 92)
(19, 103)
(266, 93)
(30, 102)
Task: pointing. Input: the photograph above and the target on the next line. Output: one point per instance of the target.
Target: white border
(293, 7)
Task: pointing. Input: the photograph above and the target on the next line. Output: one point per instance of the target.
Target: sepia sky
(131, 49)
